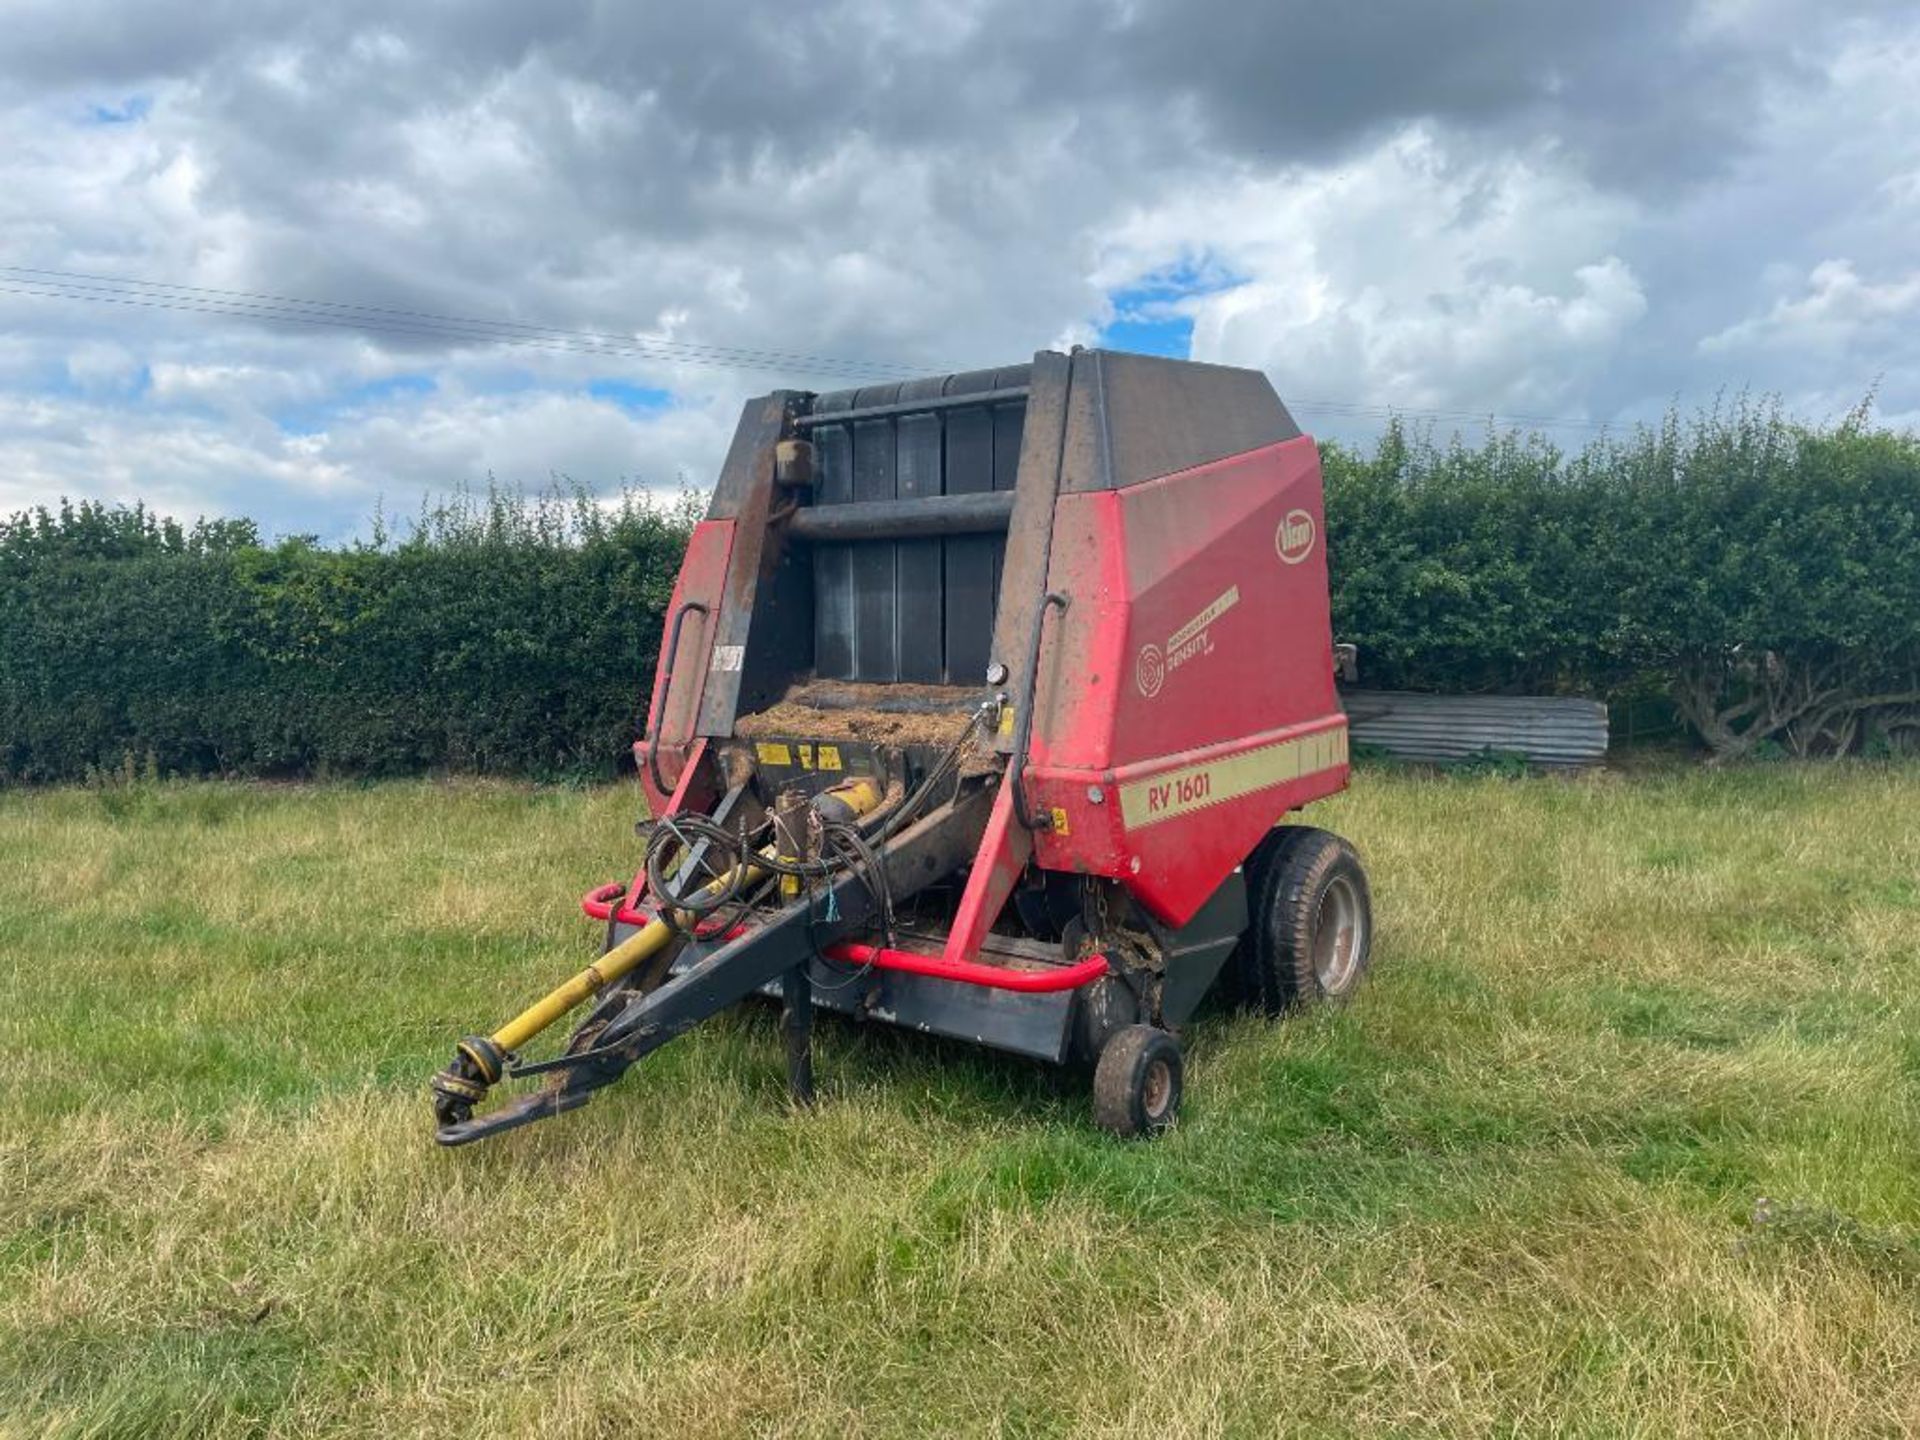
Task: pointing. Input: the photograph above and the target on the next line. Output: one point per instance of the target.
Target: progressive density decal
(1155, 663)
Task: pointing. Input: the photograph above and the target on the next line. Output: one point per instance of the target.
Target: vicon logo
(1293, 541)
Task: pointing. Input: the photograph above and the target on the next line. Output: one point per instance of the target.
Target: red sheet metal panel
(1186, 700)
(703, 578)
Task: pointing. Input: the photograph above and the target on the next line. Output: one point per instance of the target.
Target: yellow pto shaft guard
(479, 1061)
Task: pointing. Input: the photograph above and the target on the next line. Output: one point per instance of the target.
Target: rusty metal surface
(1023, 565)
(749, 649)
(1549, 730)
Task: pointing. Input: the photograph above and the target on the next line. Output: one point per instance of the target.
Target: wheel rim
(1156, 1089)
(1339, 937)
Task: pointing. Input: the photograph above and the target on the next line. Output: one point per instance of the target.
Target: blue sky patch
(1149, 316)
(129, 111)
(310, 419)
(1147, 330)
(64, 381)
(633, 398)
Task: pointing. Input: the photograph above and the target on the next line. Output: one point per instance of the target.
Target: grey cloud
(1598, 189)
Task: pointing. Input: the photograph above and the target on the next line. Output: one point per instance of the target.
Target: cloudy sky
(1526, 208)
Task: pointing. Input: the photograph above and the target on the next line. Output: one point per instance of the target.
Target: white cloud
(330, 479)
(1831, 314)
(1405, 277)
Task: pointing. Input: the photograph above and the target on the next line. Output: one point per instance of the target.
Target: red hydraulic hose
(971, 972)
(600, 903)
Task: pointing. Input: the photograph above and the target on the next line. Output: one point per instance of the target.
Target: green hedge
(1764, 576)
(502, 636)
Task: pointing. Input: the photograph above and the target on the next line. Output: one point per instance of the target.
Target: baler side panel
(745, 625)
(1021, 579)
(1191, 678)
(702, 580)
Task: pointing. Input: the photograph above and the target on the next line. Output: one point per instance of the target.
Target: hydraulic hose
(480, 1060)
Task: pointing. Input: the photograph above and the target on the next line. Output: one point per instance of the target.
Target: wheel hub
(1156, 1089)
(1339, 937)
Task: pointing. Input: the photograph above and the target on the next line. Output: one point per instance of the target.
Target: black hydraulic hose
(849, 848)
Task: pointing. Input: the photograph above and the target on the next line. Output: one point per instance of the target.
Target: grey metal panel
(913, 597)
(926, 404)
(744, 470)
(969, 561)
(1138, 417)
(965, 382)
(987, 512)
(1549, 730)
(1009, 423)
(833, 564)
(876, 637)
(917, 477)
(1034, 1025)
(1024, 562)
(745, 496)
(1195, 952)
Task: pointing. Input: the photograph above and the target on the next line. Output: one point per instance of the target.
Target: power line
(252, 305)
(267, 307)
(1459, 417)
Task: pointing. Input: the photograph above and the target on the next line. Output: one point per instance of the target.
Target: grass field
(1515, 1188)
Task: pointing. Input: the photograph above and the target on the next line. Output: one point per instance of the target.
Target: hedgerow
(501, 635)
(1763, 575)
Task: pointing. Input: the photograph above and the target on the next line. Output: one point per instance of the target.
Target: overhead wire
(271, 308)
(255, 305)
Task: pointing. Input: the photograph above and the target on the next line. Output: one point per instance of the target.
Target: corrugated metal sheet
(1547, 729)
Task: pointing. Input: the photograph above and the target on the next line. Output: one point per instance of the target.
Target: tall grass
(1619, 1138)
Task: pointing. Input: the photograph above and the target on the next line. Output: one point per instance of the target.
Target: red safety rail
(600, 904)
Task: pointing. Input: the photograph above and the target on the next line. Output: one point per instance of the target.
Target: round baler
(982, 708)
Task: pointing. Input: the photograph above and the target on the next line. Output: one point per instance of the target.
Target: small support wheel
(1136, 1083)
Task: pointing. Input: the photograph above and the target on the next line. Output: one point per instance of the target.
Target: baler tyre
(1239, 982)
(1137, 1081)
(1312, 923)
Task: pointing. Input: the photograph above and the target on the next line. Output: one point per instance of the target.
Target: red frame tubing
(598, 904)
(971, 972)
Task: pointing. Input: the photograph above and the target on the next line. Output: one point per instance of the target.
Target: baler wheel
(1137, 1082)
(1311, 934)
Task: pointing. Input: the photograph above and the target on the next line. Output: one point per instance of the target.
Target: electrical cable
(248, 305)
(268, 307)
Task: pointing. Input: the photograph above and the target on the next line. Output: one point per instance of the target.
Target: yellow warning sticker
(1060, 822)
(829, 756)
(1006, 719)
(1195, 787)
(773, 752)
(805, 752)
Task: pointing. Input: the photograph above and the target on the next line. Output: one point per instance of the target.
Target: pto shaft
(480, 1060)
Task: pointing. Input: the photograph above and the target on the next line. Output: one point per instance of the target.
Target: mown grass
(1516, 1188)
